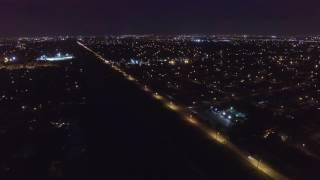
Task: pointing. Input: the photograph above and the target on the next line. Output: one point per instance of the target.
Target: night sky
(51, 17)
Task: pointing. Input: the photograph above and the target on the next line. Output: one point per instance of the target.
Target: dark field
(83, 121)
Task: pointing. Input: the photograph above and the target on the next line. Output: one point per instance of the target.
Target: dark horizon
(96, 17)
(71, 35)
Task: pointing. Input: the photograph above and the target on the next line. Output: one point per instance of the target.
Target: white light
(59, 57)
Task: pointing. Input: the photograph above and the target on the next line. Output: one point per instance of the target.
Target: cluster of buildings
(271, 82)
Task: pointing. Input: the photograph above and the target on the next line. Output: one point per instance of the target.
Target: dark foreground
(117, 133)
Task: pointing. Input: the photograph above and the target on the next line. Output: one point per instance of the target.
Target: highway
(215, 136)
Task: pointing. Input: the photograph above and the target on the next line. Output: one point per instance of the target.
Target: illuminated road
(214, 135)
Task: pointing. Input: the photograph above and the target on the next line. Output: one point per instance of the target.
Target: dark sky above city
(41, 17)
